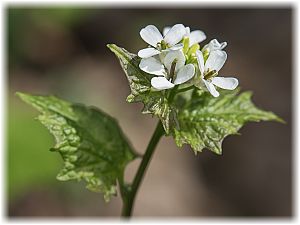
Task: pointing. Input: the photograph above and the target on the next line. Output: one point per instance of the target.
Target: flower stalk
(130, 192)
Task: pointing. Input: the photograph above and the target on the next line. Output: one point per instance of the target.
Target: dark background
(62, 51)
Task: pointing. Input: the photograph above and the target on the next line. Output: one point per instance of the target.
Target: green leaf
(155, 102)
(205, 121)
(139, 81)
(91, 143)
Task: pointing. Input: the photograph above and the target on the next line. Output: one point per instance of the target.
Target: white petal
(229, 83)
(185, 74)
(206, 47)
(214, 45)
(187, 31)
(171, 56)
(161, 83)
(216, 60)
(197, 36)
(176, 47)
(166, 30)
(200, 60)
(175, 34)
(153, 66)
(148, 52)
(173, 48)
(223, 45)
(151, 35)
(211, 88)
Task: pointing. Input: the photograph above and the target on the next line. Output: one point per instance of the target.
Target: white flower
(153, 37)
(195, 36)
(214, 45)
(171, 72)
(210, 69)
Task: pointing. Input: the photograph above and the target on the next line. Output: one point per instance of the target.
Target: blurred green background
(62, 51)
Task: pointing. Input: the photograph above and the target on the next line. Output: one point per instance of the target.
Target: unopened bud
(193, 49)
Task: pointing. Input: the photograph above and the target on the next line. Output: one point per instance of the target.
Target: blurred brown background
(62, 51)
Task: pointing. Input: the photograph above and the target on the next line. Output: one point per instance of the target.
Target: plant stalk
(185, 89)
(129, 196)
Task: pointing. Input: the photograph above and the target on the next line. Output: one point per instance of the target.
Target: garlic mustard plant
(177, 81)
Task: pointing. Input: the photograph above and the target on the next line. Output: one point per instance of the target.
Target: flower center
(210, 74)
(172, 74)
(162, 45)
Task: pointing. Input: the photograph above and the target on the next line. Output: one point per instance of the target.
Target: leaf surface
(205, 121)
(91, 143)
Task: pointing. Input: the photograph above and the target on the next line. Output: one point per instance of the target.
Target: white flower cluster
(176, 58)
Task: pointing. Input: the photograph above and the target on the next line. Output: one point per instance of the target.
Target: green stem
(175, 91)
(172, 94)
(131, 191)
(185, 89)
